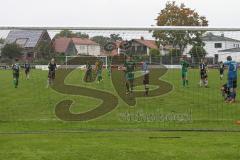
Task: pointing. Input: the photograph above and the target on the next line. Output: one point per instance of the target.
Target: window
(82, 47)
(218, 45)
(21, 41)
(236, 45)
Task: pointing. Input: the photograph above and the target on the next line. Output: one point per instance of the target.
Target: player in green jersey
(129, 67)
(99, 66)
(185, 66)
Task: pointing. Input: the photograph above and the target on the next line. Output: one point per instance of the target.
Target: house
(165, 49)
(233, 52)
(216, 43)
(64, 46)
(115, 52)
(142, 46)
(86, 46)
(29, 40)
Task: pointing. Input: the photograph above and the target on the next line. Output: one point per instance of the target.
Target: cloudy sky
(108, 12)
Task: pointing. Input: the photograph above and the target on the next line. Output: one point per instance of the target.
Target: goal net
(166, 78)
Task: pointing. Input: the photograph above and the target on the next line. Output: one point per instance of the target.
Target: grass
(121, 146)
(29, 128)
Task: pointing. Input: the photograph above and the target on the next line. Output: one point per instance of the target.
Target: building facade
(86, 47)
(142, 46)
(234, 53)
(216, 43)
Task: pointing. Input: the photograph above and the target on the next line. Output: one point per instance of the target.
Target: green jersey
(130, 66)
(129, 72)
(184, 65)
(89, 67)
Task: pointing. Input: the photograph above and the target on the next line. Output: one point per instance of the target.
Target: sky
(221, 13)
(109, 12)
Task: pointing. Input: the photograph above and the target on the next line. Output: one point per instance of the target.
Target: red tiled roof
(83, 41)
(61, 44)
(148, 43)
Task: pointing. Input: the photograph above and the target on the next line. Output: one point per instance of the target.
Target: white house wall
(93, 50)
(235, 56)
(210, 47)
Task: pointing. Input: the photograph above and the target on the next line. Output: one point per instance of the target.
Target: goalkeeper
(185, 66)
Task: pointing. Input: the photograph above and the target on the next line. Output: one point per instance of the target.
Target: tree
(174, 15)
(197, 52)
(81, 35)
(174, 53)
(12, 51)
(70, 34)
(44, 49)
(101, 40)
(154, 52)
(115, 37)
(65, 33)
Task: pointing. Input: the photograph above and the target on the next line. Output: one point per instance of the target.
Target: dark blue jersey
(27, 66)
(232, 69)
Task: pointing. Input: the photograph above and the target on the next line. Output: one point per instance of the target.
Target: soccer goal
(157, 78)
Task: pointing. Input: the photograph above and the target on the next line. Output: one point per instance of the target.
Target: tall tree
(65, 33)
(81, 35)
(174, 15)
(115, 37)
(44, 50)
(101, 40)
(12, 51)
(197, 51)
(71, 34)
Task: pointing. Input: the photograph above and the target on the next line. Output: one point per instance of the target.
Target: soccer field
(30, 129)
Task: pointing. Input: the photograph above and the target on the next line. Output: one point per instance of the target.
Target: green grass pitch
(29, 128)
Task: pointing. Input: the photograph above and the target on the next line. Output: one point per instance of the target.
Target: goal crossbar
(152, 28)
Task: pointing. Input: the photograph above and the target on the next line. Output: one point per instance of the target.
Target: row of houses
(219, 47)
(216, 46)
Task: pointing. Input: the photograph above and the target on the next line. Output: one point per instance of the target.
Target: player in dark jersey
(225, 92)
(145, 77)
(146, 82)
(27, 69)
(16, 73)
(232, 78)
(221, 69)
(89, 72)
(203, 73)
(52, 66)
(129, 67)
